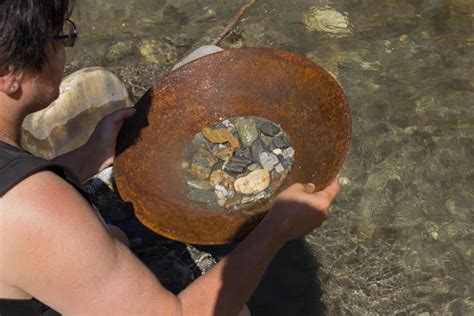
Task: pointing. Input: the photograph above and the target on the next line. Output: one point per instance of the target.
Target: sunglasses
(68, 35)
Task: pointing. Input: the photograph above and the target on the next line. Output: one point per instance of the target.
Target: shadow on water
(289, 286)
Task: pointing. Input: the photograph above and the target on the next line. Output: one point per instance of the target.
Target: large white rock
(86, 96)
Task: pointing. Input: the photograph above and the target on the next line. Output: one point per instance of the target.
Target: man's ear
(9, 80)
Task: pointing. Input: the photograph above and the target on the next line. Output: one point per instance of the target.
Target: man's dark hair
(26, 27)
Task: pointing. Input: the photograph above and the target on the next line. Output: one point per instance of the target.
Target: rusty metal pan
(278, 85)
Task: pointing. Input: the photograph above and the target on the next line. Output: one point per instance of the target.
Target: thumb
(120, 115)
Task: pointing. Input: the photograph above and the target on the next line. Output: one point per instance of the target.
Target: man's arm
(99, 151)
(61, 254)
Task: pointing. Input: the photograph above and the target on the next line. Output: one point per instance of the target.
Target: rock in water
(248, 131)
(268, 161)
(220, 136)
(86, 96)
(221, 178)
(269, 129)
(327, 20)
(255, 182)
(202, 163)
(202, 196)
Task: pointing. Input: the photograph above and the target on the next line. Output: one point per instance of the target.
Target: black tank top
(15, 166)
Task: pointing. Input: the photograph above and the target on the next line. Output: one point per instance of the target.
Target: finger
(120, 115)
(309, 188)
(332, 190)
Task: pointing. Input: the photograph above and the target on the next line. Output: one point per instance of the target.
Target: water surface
(399, 240)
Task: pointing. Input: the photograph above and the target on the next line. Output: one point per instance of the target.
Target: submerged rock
(220, 136)
(222, 178)
(202, 196)
(254, 182)
(268, 161)
(281, 141)
(327, 20)
(248, 132)
(202, 163)
(200, 185)
(269, 129)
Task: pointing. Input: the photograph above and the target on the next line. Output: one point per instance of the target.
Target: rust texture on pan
(283, 87)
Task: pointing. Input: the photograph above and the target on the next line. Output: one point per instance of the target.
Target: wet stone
(269, 129)
(236, 162)
(268, 161)
(200, 185)
(236, 200)
(224, 153)
(202, 196)
(244, 152)
(220, 136)
(248, 132)
(281, 141)
(258, 148)
(202, 163)
(254, 182)
(237, 165)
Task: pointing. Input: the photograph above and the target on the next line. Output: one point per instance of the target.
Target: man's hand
(299, 209)
(99, 151)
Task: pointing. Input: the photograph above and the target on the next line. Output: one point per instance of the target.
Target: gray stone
(253, 167)
(268, 161)
(248, 131)
(279, 168)
(237, 165)
(258, 148)
(202, 163)
(200, 185)
(269, 129)
(202, 196)
(267, 142)
(243, 152)
(281, 141)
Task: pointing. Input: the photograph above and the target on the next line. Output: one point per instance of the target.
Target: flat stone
(289, 153)
(269, 129)
(268, 161)
(220, 136)
(279, 168)
(254, 198)
(255, 182)
(219, 177)
(200, 185)
(248, 131)
(267, 142)
(202, 163)
(257, 149)
(225, 153)
(202, 196)
(223, 193)
(277, 151)
(233, 201)
(253, 167)
(327, 20)
(243, 152)
(285, 162)
(237, 165)
(281, 141)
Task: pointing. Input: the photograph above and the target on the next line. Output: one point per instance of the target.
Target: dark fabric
(15, 166)
(31, 307)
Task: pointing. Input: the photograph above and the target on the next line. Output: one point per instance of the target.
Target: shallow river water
(399, 240)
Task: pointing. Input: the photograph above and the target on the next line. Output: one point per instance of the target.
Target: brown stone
(220, 136)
